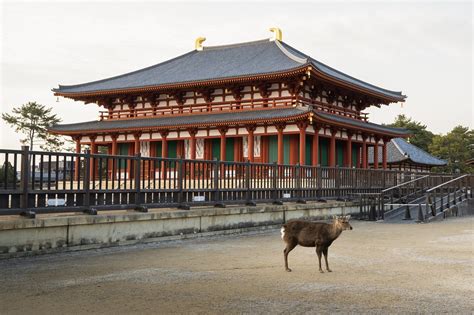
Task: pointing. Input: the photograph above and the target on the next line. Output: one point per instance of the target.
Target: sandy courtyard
(377, 268)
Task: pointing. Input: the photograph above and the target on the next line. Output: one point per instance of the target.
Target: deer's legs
(319, 252)
(325, 252)
(286, 251)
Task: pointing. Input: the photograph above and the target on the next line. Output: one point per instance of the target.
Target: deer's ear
(348, 217)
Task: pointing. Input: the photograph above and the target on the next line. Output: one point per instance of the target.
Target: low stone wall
(76, 232)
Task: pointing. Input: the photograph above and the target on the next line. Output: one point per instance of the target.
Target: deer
(313, 234)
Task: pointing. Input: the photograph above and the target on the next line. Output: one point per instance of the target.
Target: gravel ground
(377, 268)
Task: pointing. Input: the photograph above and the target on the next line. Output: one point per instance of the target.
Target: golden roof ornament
(198, 43)
(277, 35)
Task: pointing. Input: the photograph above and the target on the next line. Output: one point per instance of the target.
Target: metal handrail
(448, 182)
(405, 183)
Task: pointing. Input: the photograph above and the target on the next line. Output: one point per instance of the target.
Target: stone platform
(69, 232)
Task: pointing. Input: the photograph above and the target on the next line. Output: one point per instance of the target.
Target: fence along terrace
(99, 184)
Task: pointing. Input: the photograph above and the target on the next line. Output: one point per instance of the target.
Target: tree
(33, 120)
(421, 137)
(456, 147)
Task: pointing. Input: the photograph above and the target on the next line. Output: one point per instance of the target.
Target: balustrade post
(248, 193)
(276, 200)
(217, 200)
(298, 177)
(24, 180)
(138, 194)
(337, 182)
(181, 178)
(86, 184)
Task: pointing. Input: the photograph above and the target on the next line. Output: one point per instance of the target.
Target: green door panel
(339, 153)
(229, 149)
(216, 148)
(323, 152)
(286, 149)
(273, 149)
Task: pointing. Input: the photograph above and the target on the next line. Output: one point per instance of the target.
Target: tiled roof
(221, 62)
(362, 124)
(182, 120)
(399, 150)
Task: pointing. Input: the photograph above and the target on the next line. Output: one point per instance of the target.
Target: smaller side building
(402, 155)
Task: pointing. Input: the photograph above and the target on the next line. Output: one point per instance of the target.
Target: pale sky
(421, 48)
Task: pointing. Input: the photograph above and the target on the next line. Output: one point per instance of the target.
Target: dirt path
(378, 268)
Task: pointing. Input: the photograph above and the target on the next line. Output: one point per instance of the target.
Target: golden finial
(276, 34)
(198, 43)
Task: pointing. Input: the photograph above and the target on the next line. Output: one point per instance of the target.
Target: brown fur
(313, 234)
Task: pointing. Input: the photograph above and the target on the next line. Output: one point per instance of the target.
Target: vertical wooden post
(137, 161)
(302, 125)
(137, 142)
(25, 176)
(164, 152)
(280, 127)
(77, 162)
(376, 153)
(384, 153)
(223, 132)
(349, 150)
(87, 165)
(93, 150)
(315, 153)
(250, 142)
(192, 148)
(332, 148)
(364, 151)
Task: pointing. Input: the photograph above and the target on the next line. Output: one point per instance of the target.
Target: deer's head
(342, 222)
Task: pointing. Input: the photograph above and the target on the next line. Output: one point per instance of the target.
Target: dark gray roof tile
(399, 150)
(220, 62)
(193, 119)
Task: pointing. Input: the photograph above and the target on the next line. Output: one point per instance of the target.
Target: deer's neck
(336, 230)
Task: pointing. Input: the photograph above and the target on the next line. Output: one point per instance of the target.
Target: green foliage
(456, 147)
(421, 137)
(7, 174)
(33, 120)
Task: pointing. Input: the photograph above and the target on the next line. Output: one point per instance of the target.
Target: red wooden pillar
(315, 153)
(164, 152)
(376, 153)
(137, 142)
(223, 132)
(192, 151)
(384, 153)
(250, 151)
(302, 125)
(364, 151)
(78, 159)
(349, 150)
(280, 127)
(332, 148)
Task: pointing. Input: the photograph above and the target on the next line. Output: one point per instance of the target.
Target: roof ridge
(398, 147)
(204, 48)
(289, 54)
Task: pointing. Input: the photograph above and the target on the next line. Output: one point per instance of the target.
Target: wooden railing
(226, 106)
(68, 182)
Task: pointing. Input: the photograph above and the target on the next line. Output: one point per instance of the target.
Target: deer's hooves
(329, 270)
(288, 269)
(321, 271)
